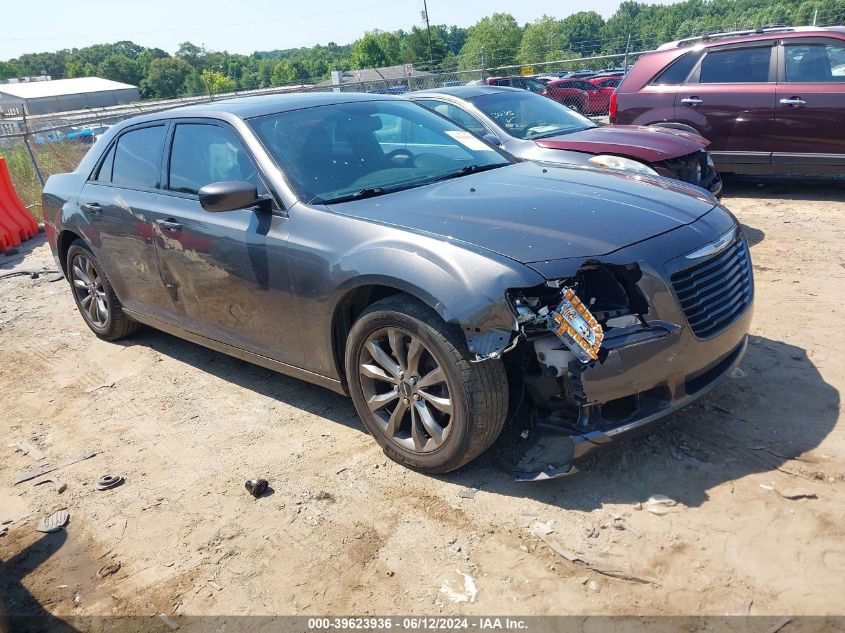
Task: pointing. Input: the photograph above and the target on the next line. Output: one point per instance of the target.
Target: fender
(464, 287)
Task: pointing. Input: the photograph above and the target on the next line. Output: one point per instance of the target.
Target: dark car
(571, 97)
(369, 245)
(530, 126)
(770, 100)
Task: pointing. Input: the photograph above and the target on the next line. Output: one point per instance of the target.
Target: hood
(649, 144)
(535, 211)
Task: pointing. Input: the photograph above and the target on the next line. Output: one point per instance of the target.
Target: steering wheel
(398, 153)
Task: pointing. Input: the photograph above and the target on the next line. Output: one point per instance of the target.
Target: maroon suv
(770, 100)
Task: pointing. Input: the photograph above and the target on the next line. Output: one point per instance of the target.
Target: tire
(467, 401)
(104, 315)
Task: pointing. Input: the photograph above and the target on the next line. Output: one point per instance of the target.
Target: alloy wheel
(89, 290)
(406, 390)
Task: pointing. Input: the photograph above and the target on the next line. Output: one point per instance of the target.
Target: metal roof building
(61, 95)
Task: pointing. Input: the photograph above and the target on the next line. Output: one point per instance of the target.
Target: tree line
(496, 40)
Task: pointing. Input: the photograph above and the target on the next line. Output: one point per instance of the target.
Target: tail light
(613, 107)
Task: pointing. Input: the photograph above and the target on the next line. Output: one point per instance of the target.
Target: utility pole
(430, 47)
(627, 48)
(483, 66)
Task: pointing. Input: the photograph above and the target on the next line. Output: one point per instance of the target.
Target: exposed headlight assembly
(609, 161)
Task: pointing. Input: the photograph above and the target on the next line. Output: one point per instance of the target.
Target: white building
(61, 95)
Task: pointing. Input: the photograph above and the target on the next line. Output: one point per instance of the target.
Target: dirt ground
(757, 469)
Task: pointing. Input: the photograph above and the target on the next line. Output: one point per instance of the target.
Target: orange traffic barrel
(14, 217)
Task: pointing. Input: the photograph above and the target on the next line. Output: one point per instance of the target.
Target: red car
(571, 97)
(769, 101)
(598, 97)
(606, 82)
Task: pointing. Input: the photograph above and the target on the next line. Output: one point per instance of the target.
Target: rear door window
(736, 65)
(137, 159)
(103, 172)
(456, 114)
(815, 63)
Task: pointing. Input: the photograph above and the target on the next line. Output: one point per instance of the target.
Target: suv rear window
(678, 71)
(736, 65)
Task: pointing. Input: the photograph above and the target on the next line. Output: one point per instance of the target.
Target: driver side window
(202, 154)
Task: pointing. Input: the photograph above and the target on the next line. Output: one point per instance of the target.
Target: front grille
(714, 293)
(693, 169)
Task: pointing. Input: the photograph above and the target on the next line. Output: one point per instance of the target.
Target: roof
(465, 92)
(248, 107)
(387, 73)
(750, 35)
(61, 87)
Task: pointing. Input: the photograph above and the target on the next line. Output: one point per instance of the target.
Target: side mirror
(229, 196)
(493, 139)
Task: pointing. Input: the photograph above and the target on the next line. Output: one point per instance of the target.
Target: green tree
(367, 53)
(120, 68)
(9, 70)
(498, 35)
(415, 47)
(192, 54)
(581, 33)
(165, 78)
(79, 69)
(216, 82)
(289, 73)
(541, 41)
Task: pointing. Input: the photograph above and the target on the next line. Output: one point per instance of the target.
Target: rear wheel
(416, 390)
(94, 296)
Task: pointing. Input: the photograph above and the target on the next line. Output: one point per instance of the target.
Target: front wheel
(416, 391)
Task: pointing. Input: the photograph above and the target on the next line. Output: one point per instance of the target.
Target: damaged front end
(570, 327)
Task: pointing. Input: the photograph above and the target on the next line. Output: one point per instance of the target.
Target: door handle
(169, 224)
(692, 101)
(92, 207)
(793, 101)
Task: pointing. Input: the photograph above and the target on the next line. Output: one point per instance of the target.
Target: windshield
(345, 151)
(527, 115)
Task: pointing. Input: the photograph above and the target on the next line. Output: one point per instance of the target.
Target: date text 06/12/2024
(417, 624)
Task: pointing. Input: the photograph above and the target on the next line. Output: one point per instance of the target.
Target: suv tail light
(613, 107)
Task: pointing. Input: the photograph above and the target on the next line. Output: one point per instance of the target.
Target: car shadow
(752, 235)
(23, 610)
(785, 187)
(290, 391)
(15, 257)
(767, 416)
(780, 408)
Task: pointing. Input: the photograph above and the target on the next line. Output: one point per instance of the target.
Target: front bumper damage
(650, 366)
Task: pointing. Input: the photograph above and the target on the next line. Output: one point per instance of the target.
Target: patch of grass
(53, 158)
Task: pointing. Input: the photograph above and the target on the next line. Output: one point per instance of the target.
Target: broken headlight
(570, 320)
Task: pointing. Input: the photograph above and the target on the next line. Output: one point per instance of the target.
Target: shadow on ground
(780, 409)
(24, 612)
(821, 188)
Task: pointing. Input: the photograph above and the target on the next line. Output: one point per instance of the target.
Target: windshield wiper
(469, 169)
(561, 132)
(366, 192)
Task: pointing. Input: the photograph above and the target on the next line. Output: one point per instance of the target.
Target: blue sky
(248, 25)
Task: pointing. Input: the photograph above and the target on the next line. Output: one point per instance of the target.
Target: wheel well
(347, 312)
(672, 125)
(63, 242)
